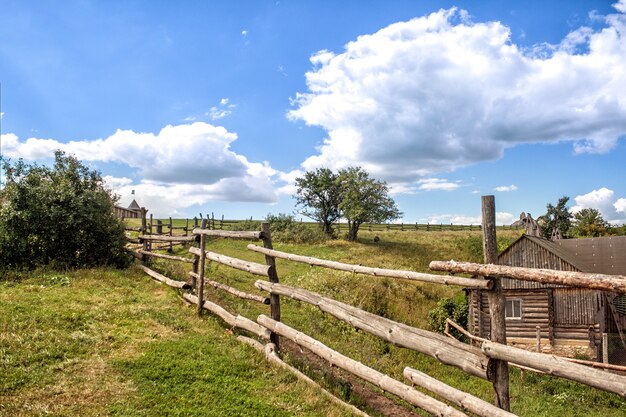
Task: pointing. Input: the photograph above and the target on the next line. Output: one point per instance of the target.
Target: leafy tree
(318, 197)
(364, 200)
(590, 223)
(60, 216)
(556, 217)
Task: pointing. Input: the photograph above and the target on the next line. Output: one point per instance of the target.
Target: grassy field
(108, 342)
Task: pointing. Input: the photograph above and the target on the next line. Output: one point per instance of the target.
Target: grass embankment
(117, 343)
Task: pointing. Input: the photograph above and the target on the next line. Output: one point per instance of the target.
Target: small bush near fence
(286, 229)
(455, 308)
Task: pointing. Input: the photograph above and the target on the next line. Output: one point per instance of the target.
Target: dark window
(513, 309)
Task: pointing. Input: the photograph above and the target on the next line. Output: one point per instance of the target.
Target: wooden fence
(481, 358)
(221, 223)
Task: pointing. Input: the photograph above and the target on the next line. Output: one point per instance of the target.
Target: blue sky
(218, 106)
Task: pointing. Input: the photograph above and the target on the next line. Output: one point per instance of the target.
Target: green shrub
(455, 308)
(60, 217)
(247, 224)
(286, 229)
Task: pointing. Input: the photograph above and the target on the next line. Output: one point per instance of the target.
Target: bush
(60, 217)
(285, 228)
(455, 309)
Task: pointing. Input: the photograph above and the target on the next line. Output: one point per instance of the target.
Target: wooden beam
(162, 278)
(233, 234)
(166, 238)
(238, 321)
(161, 255)
(553, 365)
(613, 283)
(247, 266)
(231, 290)
(384, 382)
(272, 357)
(466, 401)
(380, 272)
(448, 351)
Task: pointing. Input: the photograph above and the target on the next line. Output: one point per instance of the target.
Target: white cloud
(431, 184)
(177, 168)
(440, 92)
(502, 218)
(223, 109)
(604, 201)
(506, 188)
(244, 32)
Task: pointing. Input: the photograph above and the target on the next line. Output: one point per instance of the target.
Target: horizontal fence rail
(477, 283)
(614, 283)
(229, 234)
(373, 376)
(162, 278)
(167, 238)
(231, 290)
(234, 321)
(445, 350)
(464, 400)
(247, 266)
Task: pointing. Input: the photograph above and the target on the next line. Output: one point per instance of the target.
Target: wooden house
(570, 320)
(132, 212)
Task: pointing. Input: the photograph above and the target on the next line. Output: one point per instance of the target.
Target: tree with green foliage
(556, 218)
(364, 200)
(589, 222)
(318, 196)
(60, 217)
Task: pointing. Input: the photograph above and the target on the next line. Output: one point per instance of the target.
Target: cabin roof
(605, 255)
(134, 206)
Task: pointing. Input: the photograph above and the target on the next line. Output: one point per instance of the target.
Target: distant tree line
(587, 222)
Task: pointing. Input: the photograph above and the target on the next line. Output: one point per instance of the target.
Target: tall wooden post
(273, 276)
(144, 229)
(496, 302)
(200, 283)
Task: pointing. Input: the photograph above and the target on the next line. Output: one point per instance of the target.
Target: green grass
(106, 342)
(404, 301)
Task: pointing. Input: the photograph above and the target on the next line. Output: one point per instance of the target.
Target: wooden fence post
(171, 249)
(273, 276)
(200, 291)
(496, 302)
(222, 223)
(144, 229)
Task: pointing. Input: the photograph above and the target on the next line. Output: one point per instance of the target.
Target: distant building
(132, 212)
(571, 320)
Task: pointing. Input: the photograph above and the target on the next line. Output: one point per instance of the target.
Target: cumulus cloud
(431, 184)
(502, 218)
(193, 153)
(603, 200)
(506, 188)
(440, 92)
(176, 168)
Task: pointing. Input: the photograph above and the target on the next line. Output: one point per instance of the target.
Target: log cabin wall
(565, 315)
